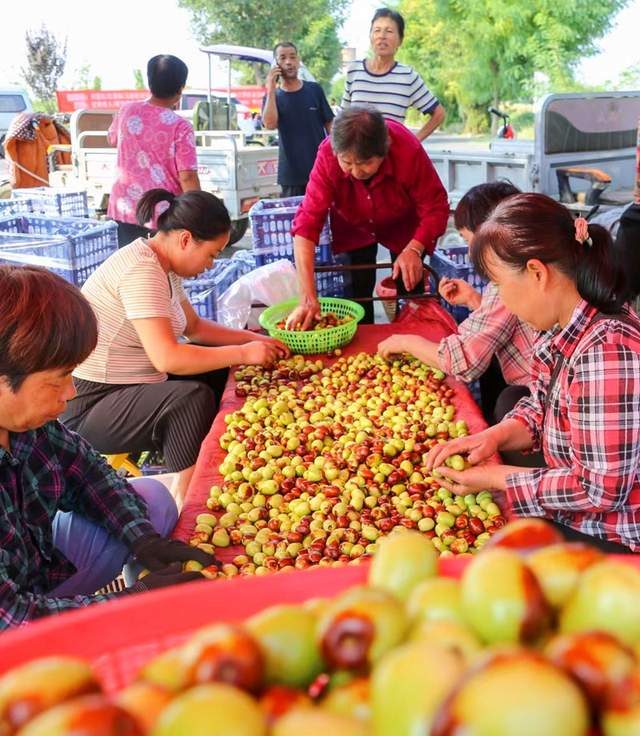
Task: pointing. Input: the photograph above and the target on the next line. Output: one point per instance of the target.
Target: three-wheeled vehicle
(234, 165)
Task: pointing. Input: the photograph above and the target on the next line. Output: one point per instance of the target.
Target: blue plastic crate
(72, 248)
(202, 295)
(17, 241)
(10, 207)
(241, 263)
(330, 283)
(453, 262)
(203, 290)
(54, 202)
(271, 221)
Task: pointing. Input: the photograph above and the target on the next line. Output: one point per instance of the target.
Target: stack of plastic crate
(10, 207)
(451, 260)
(271, 221)
(54, 202)
(205, 290)
(71, 247)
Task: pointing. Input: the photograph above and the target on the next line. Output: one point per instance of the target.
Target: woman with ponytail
(558, 274)
(144, 387)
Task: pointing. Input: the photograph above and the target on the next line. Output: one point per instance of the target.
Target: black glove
(155, 552)
(170, 575)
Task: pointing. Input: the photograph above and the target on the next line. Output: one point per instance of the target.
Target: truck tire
(2, 137)
(238, 230)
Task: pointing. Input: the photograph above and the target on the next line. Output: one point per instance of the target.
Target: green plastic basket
(314, 341)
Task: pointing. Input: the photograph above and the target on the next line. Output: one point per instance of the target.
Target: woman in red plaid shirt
(492, 344)
(557, 274)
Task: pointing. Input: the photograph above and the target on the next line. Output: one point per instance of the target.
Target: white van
(13, 100)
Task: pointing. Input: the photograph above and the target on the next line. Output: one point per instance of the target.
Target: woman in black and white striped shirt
(383, 83)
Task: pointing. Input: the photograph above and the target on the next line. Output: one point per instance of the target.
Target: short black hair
(394, 15)
(284, 45)
(167, 75)
(479, 202)
(362, 131)
(627, 250)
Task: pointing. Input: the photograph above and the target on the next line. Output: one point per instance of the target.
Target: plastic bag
(268, 285)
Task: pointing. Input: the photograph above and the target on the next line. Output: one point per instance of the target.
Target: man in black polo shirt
(302, 115)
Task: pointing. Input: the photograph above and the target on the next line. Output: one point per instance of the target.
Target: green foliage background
(46, 59)
(475, 53)
(311, 24)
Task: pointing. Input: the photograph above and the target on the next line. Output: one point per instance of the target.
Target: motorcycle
(506, 129)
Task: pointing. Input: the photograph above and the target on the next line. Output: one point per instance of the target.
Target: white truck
(588, 140)
(236, 166)
(237, 172)
(13, 101)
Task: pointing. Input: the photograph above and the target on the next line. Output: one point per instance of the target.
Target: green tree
(83, 77)
(320, 49)
(476, 53)
(46, 59)
(630, 78)
(337, 88)
(311, 24)
(138, 79)
(97, 83)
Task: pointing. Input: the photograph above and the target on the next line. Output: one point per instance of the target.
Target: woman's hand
(409, 265)
(304, 315)
(478, 447)
(472, 480)
(458, 292)
(283, 350)
(396, 345)
(259, 352)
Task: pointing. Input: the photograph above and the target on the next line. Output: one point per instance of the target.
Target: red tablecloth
(435, 323)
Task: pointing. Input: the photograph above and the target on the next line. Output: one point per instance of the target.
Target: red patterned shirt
(489, 330)
(405, 199)
(591, 432)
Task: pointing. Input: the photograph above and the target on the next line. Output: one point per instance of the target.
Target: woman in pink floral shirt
(156, 147)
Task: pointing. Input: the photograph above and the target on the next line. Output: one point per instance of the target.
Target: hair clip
(582, 231)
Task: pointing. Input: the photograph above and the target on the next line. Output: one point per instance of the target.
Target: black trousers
(128, 232)
(363, 281)
(572, 535)
(507, 399)
(173, 416)
(492, 384)
(293, 190)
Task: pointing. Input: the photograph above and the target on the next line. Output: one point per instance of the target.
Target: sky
(117, 37)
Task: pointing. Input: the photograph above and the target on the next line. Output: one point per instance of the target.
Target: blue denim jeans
(98, 556)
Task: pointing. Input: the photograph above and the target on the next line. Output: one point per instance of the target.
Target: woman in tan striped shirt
(143, 387)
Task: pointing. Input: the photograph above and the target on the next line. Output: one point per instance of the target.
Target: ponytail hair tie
(582, 232)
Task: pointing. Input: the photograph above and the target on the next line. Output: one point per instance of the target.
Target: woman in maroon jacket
(376, 181)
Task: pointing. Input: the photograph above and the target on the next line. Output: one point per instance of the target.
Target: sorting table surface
(434, 324)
